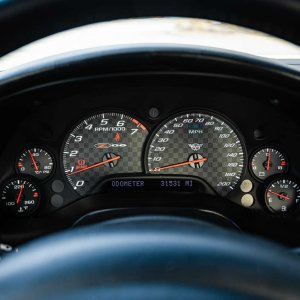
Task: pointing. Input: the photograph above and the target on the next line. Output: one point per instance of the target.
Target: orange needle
(95, 165)
(269, 160)
(33, 161)
(281, 196)
(20, 193)
(181, 164)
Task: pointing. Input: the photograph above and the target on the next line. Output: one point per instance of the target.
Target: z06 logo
(108, 145)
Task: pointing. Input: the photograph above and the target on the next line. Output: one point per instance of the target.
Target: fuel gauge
(267, 162)
(282, 195)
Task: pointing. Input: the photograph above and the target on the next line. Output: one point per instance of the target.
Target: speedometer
(198, 144)
(101, 145)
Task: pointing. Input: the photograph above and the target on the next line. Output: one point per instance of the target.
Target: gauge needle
(269, 160)
(95, 165)
(33, 161)
(181, 164)
(281, 196)
(20, 193)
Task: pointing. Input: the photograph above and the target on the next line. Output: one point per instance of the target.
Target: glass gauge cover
(282, 195)
(103, 144)
(198, 144)
(20, 197)
(267, 162)
(36, 162)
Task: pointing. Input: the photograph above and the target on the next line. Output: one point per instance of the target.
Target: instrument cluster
(194, 150)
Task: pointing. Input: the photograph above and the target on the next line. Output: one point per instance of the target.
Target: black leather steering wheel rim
(151, 257)
(22, 22)
(139, 59)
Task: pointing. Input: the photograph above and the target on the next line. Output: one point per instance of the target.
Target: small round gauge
(282, 195)
(36, 162)
(103, 144)
(20, 197)
(267, 162)
(198, 144)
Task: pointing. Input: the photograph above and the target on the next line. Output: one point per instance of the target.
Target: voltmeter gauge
(282, 195)
(20, 197)
(36, 162)
(267, 162)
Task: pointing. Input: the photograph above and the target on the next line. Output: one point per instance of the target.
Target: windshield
(154, 30)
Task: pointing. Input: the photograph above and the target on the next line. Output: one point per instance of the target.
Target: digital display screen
(152, 183)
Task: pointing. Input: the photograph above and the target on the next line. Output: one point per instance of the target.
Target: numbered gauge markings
(36, 162)
(101, 145)
(20, 196)
(198, 144)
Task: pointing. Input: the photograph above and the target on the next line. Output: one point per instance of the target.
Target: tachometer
(103, 144)
(198, 144)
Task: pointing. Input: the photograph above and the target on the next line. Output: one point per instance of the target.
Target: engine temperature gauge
(282, 195)
(20, 197)
(36, 162)
(267, 162)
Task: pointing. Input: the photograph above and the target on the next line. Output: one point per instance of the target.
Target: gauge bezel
(30, 179)
(254, 152)
(88, 115)
(209, 112)
(273, 179)
(46, 149)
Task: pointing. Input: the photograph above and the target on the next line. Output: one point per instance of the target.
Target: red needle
(281, 196)
(181, 164)
(33, 161)
(20, 193)
(269, 160)
(95, 165)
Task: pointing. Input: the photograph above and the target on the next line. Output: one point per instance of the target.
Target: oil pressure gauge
(36, 162)
(282, 195)
(267, 162)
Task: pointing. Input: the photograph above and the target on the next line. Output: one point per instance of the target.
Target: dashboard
(150, 141)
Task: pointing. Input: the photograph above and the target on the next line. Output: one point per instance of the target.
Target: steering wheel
(156, 256)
